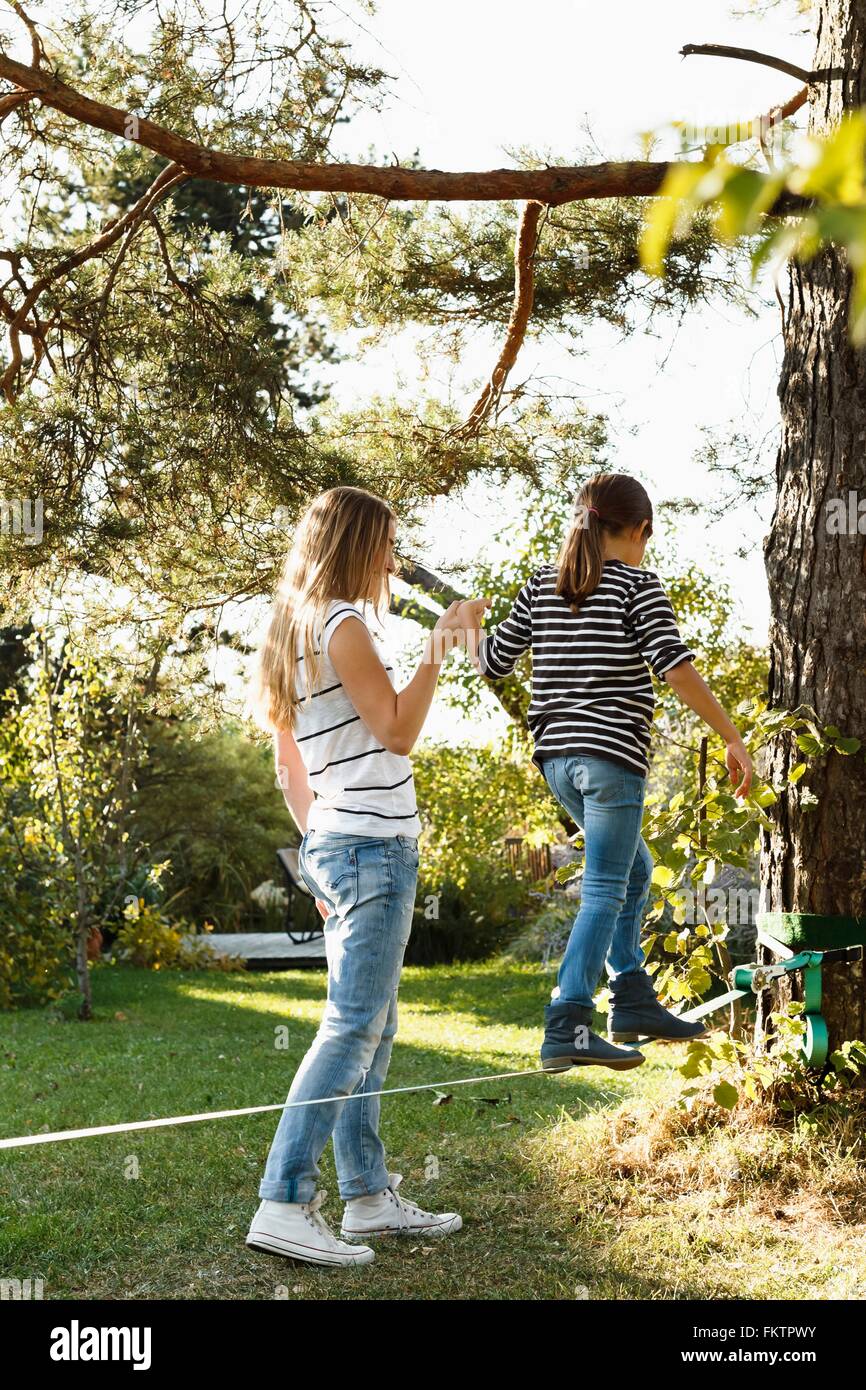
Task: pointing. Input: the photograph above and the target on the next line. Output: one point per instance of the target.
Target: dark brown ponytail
(611, 502)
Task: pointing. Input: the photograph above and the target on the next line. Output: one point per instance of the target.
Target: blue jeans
(368, 885)
(606, 800)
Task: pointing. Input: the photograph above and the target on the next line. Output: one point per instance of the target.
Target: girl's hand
(462, 621)
(447, 621)
(474, 610)
(739, 765)
(323, 909)
(463, 612)
(471, 611)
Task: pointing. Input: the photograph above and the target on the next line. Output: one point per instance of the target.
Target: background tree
(813, 859)
(65, 789)
(815, 649)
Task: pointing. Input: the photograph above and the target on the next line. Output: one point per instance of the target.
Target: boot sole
(275, 1245)
(555, 1064)
(651, 1037)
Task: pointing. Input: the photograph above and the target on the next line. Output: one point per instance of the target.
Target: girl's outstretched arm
(694, 691)
(397, 717)
(499, 650)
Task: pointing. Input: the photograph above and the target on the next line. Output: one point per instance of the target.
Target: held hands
(460, 626)
(739, 765)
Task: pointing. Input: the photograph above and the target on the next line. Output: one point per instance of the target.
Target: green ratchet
(753, 979)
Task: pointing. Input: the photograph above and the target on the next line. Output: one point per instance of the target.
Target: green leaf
(808, 744)
(847, 745)
(765, 796)
(797, 772)
(746, 196)
(776, 245)
(836, 172)
(693, 1066)
(726, 1095)
(672, 210)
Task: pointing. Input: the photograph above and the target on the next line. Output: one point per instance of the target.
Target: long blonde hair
(611, 502)
(337, 553)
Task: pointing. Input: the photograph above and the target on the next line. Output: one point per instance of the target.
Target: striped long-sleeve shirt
(591, 685)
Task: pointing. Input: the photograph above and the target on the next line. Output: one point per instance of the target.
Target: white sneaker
(296, 1229)
(387, 1214)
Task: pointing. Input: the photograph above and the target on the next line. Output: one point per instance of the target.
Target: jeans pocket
(633, 789)
(601, 780)
(409, 851)
(548, 769)
(334, 874)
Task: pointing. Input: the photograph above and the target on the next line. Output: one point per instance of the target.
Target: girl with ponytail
(597, 624)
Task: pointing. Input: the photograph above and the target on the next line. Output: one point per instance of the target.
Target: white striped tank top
(360, 788)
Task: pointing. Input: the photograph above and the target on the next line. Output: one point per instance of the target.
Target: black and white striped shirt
(591, 686)
(360, 788)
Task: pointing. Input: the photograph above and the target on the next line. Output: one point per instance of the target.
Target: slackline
(25, 1140)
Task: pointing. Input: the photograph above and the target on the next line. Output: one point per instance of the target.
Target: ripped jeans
(368, 885)
(606, 800)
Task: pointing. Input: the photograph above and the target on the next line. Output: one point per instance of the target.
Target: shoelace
(402, 1217)
(405, 1208)
(318, 1222)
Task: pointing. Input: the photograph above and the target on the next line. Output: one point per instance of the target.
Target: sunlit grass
(590, 1182)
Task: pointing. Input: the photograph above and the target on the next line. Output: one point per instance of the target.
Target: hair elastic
(595, 509)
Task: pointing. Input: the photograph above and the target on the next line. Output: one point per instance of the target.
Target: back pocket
(599, 779)
(334, 873)
(409, 852)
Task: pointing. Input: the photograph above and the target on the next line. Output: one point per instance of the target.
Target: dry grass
(731, 1204)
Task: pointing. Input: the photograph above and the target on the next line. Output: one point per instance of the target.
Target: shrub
(470, 901)
(36, 953)
(149, 940)
(209, 805)
(545, 935)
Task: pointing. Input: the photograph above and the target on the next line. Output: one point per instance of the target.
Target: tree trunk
(82, 967)
(815, 859)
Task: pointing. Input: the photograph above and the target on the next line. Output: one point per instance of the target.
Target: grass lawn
(588, 1184)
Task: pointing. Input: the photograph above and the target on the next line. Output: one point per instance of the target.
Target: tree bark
(814, 860)
(553, 185)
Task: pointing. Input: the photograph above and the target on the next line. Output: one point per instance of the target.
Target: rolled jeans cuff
(365, 1184)
(301, 1190)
